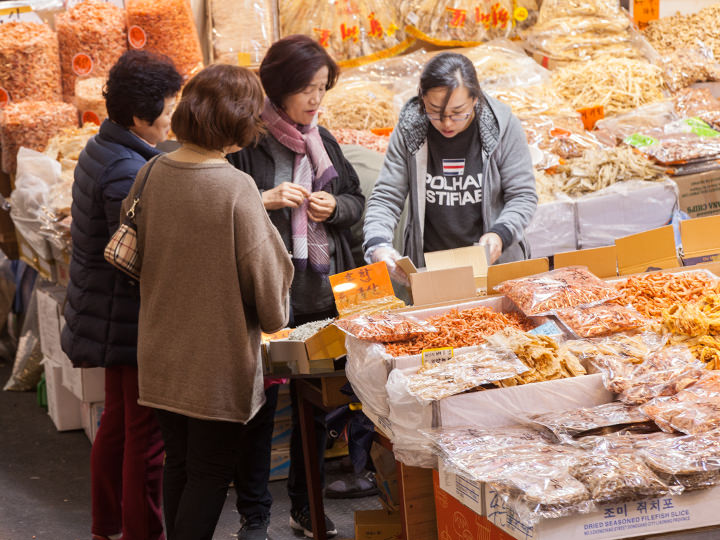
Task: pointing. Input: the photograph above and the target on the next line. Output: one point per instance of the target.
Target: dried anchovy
(308, 330)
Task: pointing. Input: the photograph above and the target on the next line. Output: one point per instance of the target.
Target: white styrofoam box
(552, 229)
(87, 384)
(91, 413)
(623, 209)
(63, 406)
(689, 510)
(504, 407)
(50, 301)
(469, 492)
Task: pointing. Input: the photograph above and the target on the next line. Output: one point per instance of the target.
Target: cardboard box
(700, 240)
(377, 525)
(502, 272)
(610, 522)
(552, 229)
(699, 194)
(281, 434)
(624, 209)
(63, 407)
(91, 413)
(279, 463)
(442, 285)
(49, 302)
(647, 251)
(466, 491)
(473, 256)
(283, 410)
(386, 476)
(316, 354)
(455, 521)
(600, 261)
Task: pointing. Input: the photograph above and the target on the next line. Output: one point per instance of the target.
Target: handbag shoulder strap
(136, 200)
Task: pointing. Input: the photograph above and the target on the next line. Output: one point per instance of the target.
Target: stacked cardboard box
(280, 456)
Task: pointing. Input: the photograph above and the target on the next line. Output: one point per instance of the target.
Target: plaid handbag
(122, 250)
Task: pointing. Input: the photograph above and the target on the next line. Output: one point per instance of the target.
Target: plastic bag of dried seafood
(600, 320)
(92, 36)
(686, 66)
(367, 369)
(615, 129)
(241, 40)
(384, 327)
(355, 104)
(27, 368)
(29, 65)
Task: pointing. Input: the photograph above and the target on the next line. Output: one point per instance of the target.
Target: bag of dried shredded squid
(242, 40)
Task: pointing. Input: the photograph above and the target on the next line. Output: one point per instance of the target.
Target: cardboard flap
(406, 265)
(600, 261)
(327, 343)
(700, 236)
(502, 272)
(474, 256)
(442, 285)
(647, 251)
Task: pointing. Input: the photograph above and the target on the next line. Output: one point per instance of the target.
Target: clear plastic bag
(464, 372)
(502, 63)
(631, 349)
(683, 67)
(457, 24)
(552, 9)
(27, 368)
(533, 101)
(384, 327)
(242, 40)
(651, 116)
(571, 286)
(693, 102)
(675, 148)
(92, 36)
(367, 369)
(354, 104)
(601, 319)
(587, 421)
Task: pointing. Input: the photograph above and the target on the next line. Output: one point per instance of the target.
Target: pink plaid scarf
(313, 170)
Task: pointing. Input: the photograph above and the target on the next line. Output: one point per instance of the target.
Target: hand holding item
(387, 254)
(321, 207)
(494, 244)
(286, 195)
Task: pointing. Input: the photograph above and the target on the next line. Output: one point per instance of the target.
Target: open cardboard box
(700, 192)
(700, 240)
(600, 261)
(503, 272)
(317, 354)
(647, 251)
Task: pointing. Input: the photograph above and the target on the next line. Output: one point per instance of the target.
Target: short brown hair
(220, 107)
(290, 65)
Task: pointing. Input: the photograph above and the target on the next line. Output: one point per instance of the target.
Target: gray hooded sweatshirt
(509, 196)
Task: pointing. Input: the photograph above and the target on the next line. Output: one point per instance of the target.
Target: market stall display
(29, 62)
(89, 100)
(92, 36)
(683, 32)
(600, 320)
(241, 40)
(696, 325)
(358, 105)
(384, 327)
(576, 423)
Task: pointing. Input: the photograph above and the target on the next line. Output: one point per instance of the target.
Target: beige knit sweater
(214, 273)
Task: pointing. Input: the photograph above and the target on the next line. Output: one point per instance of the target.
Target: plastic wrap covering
(669, 34)
(29, 64)
(630, 348)
(551, 9)
(693, 409)
(464, 372)
(502, 63)
(600, 320)
(89, 100)
(616, 128)
(367, 370)
(691, 461)
(242, 40)
(356, 104)
(384, 327)
(571, 286)
(697, 326)
(534, 100)
(354, 32)
(408, 417)
(27, 368)
(45, 10)
(458, 23)
(693, 102)
(664, 373)
(31, 124)
(677, 148)
(573, 423)
(683, 67)
(166, 27)
(92, 37)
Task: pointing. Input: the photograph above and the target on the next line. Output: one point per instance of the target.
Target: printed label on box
(435, 356)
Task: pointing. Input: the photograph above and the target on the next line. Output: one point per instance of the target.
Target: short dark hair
(138, 84)
(220, 107)
(290, 65)
(449, 70)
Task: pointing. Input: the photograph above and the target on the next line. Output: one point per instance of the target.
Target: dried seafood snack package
(677, 148)
(29, 62)
(31, 124)
(617, 477)
(166, 27)
(576, 422)
(694, 102)
(464, 372)
(691, 461)
(651, 116)
(241, 40)
(89, 100)
(692, 410)
(684, 67)
(354, 104)
(571, 286)
(551, 9)
(502, 63)
(460, 23)
(623, 441)
(384, 327)
(601, 319)
(628, 348)
(92, 36)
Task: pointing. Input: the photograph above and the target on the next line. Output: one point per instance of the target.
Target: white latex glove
(387, 254)
(494, 243)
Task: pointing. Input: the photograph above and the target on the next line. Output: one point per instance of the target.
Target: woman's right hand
(286, 195)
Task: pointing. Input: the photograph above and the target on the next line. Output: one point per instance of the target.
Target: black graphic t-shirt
(453, 190)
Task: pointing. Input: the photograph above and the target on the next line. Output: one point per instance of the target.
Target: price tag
(90, 117)
(590, 115)
(360, 285)
(435, 356)
(244, 59)
(547, 329)
(20, 13)
(520, 14)
(82, 64)
(136, 37)
(644, 11)
(4, 97)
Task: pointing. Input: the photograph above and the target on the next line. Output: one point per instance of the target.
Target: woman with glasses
(461, 159)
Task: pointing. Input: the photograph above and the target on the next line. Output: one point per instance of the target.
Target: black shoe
(359, 485)
(254, 528)
(300, 521)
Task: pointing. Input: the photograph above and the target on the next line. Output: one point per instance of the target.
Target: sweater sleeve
(264, 268)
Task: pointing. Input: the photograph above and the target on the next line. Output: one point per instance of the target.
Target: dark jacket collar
(115, 133)
(413, 125)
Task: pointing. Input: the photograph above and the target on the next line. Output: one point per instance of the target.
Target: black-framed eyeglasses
(452, 117)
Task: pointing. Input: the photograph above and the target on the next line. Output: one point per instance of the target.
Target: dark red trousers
(126, 463)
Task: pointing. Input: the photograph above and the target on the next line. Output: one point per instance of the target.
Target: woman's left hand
(321, 207)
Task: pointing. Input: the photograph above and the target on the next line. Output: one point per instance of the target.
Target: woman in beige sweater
(215, 272)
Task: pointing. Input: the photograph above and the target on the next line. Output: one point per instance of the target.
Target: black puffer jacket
(102, 302)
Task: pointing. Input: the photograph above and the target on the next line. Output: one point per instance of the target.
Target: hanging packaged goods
(89, 100)
(241, 40)
(358, 105)
(166, 27)
(92, 37)
(354, 32)
(29, 62)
